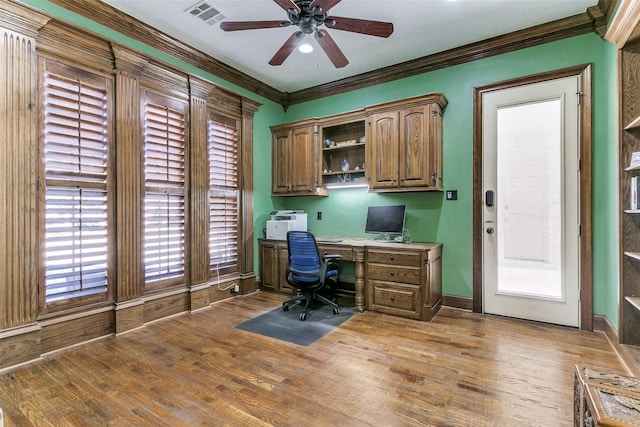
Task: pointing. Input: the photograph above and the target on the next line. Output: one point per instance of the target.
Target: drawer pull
(393, 298)
(391, 273)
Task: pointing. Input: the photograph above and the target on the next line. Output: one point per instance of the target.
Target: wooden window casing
(224, 193)
(165, 136)
(76, 229)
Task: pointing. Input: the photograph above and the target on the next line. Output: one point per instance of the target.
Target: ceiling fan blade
(362, 26)
(288, 4)
(252, 25)
(331, 49)
(324, 5)
(286, 49)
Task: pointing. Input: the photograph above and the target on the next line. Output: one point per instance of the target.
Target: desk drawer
(394, 273)
(344, 251)
(411, 259)
(394, 298)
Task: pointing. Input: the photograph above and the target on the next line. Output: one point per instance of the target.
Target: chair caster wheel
(336, 311)
(303, 316)
(285, 307)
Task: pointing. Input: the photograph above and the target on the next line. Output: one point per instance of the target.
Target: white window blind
(164, 210)
(223, 194)
(75, 157)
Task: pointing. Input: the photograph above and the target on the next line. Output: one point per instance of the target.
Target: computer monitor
(385, 220)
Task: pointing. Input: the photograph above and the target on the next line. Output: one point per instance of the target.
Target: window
(75, 134)
(164, 199)
(223, 194)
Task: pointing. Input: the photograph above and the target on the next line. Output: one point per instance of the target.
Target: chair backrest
(303, 257)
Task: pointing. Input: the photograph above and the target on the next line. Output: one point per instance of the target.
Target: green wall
(429, 217)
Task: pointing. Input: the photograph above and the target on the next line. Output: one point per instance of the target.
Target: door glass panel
(529, 199)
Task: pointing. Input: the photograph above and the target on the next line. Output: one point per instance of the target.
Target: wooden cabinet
(395, 146)
(343, 151)
(273, 266)
(405, 145)
(405, 283)
(295, 168)
(403, 279)
(624, 31)
(605, 399)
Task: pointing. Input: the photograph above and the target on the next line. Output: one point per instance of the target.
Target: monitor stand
(386, 238)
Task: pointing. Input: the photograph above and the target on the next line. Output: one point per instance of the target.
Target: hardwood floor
(461, 369)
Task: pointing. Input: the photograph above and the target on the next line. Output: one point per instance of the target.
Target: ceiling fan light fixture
(305, 48)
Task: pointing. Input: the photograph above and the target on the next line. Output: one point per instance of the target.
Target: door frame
(585, 139)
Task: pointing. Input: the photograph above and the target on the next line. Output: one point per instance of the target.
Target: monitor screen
(386, 220)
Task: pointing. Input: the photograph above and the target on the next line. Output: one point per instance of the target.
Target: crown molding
(110, 17)
(593, 19)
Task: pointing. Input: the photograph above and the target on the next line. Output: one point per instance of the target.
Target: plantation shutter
(164, 204)
(75, 159)
(223, 194)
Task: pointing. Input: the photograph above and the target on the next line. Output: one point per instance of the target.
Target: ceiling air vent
(205, 12)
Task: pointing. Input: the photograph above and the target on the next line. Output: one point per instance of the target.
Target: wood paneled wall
(26, 328)
(19, 334)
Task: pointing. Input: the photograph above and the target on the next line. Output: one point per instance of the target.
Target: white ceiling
(421, 28)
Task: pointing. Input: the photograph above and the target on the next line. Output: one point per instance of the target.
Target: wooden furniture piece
(392, 147)
(605, 399)
(343, 141)
(624, 31)
(403, 279)
(397, 281)
(405, 145)
(295, 169)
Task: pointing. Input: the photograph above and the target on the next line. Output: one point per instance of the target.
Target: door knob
(490, 230)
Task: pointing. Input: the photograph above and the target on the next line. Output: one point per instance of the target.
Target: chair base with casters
(309, 273)
(309, 299)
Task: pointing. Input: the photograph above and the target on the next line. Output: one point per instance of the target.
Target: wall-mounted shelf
(623, 31)
(343, 142)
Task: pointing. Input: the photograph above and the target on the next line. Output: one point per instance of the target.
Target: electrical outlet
(319, 216)
(452, 194)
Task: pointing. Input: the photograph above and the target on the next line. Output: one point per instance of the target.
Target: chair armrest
(331, 257)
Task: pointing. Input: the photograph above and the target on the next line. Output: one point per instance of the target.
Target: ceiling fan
(309, 16)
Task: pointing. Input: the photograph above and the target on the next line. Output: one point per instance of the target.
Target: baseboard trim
(624, 352)
(455, 301)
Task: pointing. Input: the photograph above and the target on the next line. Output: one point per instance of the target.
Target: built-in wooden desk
(403, 279)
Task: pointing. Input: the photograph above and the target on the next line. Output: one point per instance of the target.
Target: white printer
(283, 221)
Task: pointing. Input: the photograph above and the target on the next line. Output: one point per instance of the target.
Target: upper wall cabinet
(392, 147)
(405, 145)
(295, 170)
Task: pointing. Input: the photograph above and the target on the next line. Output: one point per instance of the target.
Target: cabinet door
(283, 285)
(415, 165)
(382, 143)
(269, 266)
(281, 158)
(303, 167)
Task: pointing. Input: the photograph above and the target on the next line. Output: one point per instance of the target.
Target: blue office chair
(309, 273)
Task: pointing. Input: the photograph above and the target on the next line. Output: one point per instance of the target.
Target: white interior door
(531, 227)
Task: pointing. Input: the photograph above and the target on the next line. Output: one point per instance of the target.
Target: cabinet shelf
(634, 301)
(634, 255)
(344, 147)
(634, 124)
(351, 171)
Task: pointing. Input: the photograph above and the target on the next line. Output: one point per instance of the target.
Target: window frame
(106, 83)
(235, 124)
(183, 108)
